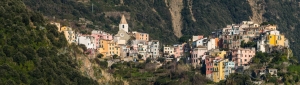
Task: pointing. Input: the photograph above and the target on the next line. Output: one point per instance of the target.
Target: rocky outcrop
(175, 7)
(190, 4)
(258, 9)
(91, 69)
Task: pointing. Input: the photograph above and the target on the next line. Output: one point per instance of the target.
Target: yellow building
(218, 71)
(276, 40)
(64, 28)
(272, 40)
(222, 54)
(70, 36)
(280, 40)
(109, 48)
(104, 47)
(114, 49)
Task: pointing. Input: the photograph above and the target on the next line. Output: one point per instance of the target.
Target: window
(245, 59)
(123, 26)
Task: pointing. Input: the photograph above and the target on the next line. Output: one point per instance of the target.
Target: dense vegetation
(281, 59)
(142, 16)
(286, 15)
(208, 14)
(30, 50)
(213, 14)
(170, 73)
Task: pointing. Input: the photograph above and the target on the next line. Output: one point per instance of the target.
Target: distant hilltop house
(70, 35)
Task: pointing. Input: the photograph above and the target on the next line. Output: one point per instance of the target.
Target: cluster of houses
(222, 53)
(122, 44)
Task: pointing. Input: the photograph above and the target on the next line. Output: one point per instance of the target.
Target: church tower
(123, 24)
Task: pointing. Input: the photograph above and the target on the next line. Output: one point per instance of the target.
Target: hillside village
(227, 50)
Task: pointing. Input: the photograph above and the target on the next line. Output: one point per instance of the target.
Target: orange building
(217, 41)
(140, 36)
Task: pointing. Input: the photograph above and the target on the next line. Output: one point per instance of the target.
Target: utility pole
(92, 8)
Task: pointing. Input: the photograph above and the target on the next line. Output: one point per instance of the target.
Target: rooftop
(123, 20)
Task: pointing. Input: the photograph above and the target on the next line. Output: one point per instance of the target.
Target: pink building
(209, 66)
(100, 35)
(243, 56)
(178, 50)
(197, 54)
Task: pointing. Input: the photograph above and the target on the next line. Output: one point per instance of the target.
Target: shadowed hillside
(31, 51)
(155, 16)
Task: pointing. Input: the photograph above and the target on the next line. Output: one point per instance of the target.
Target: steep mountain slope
(160, 17)
(175, 8)
(285, 13)
(31, 52)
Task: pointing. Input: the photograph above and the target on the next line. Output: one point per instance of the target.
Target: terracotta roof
(123, 20)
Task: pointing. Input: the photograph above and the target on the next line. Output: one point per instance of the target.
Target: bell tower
(123, 24)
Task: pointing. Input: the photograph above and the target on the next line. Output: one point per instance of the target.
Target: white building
(261, 46)
(142, 50)
(211, 44)
(168, 51)
(153, 48)
(201, 42)
(88, 41)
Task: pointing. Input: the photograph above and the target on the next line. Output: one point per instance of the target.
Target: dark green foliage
(213, 14)
(115, 56)
(184, 38)
(248, 44)
(163, 76)
(285, 15)
(142, 16)
(83, 47)
(100, 55)
(267, 23)
(161, 59)
(140, 56)
(261, 57)
(237, 79)
(29, 55)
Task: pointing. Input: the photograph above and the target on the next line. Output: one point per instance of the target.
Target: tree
(19, 58)
(148, 60)
(140, 56)
(161, 59)
(248, 44)
(184, 38)
(100, 55)
(115, 56)
(83, 47)
(42, 52)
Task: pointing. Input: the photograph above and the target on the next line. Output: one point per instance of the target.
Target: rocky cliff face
(175, 7)
(258, 9)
